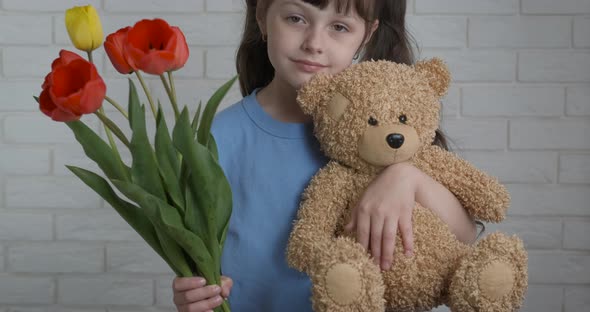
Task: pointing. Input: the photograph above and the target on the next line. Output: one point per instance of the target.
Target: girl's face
(304, 40)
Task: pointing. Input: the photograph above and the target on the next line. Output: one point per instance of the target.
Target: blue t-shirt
(268, 164)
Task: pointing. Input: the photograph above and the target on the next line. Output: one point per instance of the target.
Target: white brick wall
(578, 98)
(55, 257)
(136, 6)
(519, 108)
(519, 32)
(105, 289)
(136, 257)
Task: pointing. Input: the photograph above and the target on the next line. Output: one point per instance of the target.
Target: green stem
(110, 137)
(117, 106)
(147, 92)
(171, 95)
(106, 128)
(171, 80)
(113, 127)
(225, 306)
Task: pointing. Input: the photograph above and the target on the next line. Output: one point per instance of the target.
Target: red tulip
(72, 88)
(181, 49)
(114, 45)
(156, 47)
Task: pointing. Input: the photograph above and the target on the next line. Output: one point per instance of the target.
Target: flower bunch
(177, 197)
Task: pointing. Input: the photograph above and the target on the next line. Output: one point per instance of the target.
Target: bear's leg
(347, 280)
(492, 278)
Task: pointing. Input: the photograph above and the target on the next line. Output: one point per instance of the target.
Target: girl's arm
(436, 197)
(386, 206)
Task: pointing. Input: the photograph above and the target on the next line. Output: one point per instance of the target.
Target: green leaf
(195, 218)
(196, 118)
(167, 219)
(194, 125)
(113, 127)
(144, 169)
(204, 222)
(168, 163)
(36, 99)
(174, 252)
(132, 214)
(212, 146)
(207, 182)
(99, 151)
(210, 109)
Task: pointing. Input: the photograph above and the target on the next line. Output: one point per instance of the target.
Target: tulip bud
(84, 27)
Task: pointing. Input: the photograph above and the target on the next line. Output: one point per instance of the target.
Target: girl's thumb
(226, 285)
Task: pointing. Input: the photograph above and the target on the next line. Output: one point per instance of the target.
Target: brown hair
(390, 41)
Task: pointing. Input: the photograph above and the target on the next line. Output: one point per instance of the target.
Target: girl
(269, 154)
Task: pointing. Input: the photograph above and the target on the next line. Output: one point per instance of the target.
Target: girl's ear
(315, 93)
(374, 27)
(437, 73)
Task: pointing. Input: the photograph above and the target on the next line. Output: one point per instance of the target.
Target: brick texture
(518, 108)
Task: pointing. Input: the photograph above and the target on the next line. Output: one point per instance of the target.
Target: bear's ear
(315, 92)
(437, 73)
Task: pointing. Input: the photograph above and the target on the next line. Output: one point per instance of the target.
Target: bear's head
(376, 113)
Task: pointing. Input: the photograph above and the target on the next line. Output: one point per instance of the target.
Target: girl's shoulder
(231, 124)
(234, 117)
(229, 117)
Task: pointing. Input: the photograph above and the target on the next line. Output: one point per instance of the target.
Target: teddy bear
(369, 116)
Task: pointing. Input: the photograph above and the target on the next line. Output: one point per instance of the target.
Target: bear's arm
(481, 195)
(323, 202)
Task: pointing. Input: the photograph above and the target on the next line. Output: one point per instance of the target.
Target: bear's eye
(403, 119)
(372, 121)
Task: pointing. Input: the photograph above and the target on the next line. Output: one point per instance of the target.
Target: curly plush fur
(372, 115)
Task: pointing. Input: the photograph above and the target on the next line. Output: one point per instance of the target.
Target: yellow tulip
(84, 27)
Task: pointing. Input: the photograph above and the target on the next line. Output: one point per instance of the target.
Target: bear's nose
(395, 140)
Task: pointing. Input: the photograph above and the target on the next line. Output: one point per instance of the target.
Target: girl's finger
(195, 295)
(180, 284)
(405, 228)
(204, 305)
(363, 230)
(226, 285)
(351, 225)
(376, 234)
(388, 246)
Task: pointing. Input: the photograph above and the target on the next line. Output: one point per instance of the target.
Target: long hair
(390, 41)
(252, 63)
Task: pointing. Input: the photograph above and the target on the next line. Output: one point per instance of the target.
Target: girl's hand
(386, 206)
(191, 294)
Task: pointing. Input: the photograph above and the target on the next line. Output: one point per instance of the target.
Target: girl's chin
(297, 79)
(300, 80)
(296, 84)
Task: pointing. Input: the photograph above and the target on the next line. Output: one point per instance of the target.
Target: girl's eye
(340, 28)
(294, 19)
(403, 119)
(372, 121)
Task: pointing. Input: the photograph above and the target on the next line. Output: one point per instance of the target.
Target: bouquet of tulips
(175, 193)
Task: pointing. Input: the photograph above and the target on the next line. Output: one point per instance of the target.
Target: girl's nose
(313, 42)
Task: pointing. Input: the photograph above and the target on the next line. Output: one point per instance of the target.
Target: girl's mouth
(308, 66)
